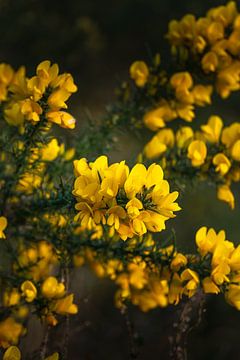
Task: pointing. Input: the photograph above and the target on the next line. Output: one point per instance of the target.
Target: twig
(43, 349)
(131, 335)
(186, 323)
(65, 278)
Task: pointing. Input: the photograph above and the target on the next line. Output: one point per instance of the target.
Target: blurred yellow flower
(139, 73)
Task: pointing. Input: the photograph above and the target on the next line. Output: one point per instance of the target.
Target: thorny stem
(131, 335)
(185, 325)
(65, 279)
(43, 349)
(20, 166)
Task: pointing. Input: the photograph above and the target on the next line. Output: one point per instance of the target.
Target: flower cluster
(206, 51)
(151, 283)
(128, 202)
(43, 95)
(182, 96)
(213, 42)
(214, 151)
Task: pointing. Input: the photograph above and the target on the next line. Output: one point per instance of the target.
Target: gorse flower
(10, 331)
(215, 269)
(139, 73)
(65, 306)
(51, 288)
(44, 94)
(130, 202)
(197, 152)
(215, 39)
(213, 147)
(29, 291)
(3, 225)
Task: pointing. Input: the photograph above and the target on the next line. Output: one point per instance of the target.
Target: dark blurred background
(94, 40)
(97, 41)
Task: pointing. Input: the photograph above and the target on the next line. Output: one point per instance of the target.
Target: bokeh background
(97, 41)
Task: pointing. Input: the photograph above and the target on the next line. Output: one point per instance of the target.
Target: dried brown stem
(131, 334)
(190, 318)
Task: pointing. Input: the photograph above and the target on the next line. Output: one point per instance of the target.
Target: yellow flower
(10, 331)
(3, 225)
(31, 110)
(215, 32)
(191, 280)
(11, 297)
(65, 306)
(178, 261)
(28, 182)
(54, 356)
(13, 114)
(28, 256)
(69, 154)
(29, 290)
(185, 111)
(183, 136)
(224, 14)
(6, 76)
(45, 251)
(197, 152)
(139, 73)
(163, 140)
(209, 287)
(235, 151)
(57, 99)
(228, 79)
(232, 295)
(22, 312)
(220, 272)
(202, 94)
(125, 231)
(12, 353)
(175, 290)
(138, 224)
(155, 296)
(207, 240)
(181, 81)
(78, 260)
(225, 194)
(51, 288)
(133, 208)
(222, 253)
(135, 180)
(231, 134)
(47, 72)
(65, 82)
(50, 151)
(156, 118)
(212, 130)
(210, 62)
(137, 275)
(222, 163)
(234, 259)
(61, 118)
(115, 176)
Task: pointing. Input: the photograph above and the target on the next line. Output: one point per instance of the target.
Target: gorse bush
(60, 210)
